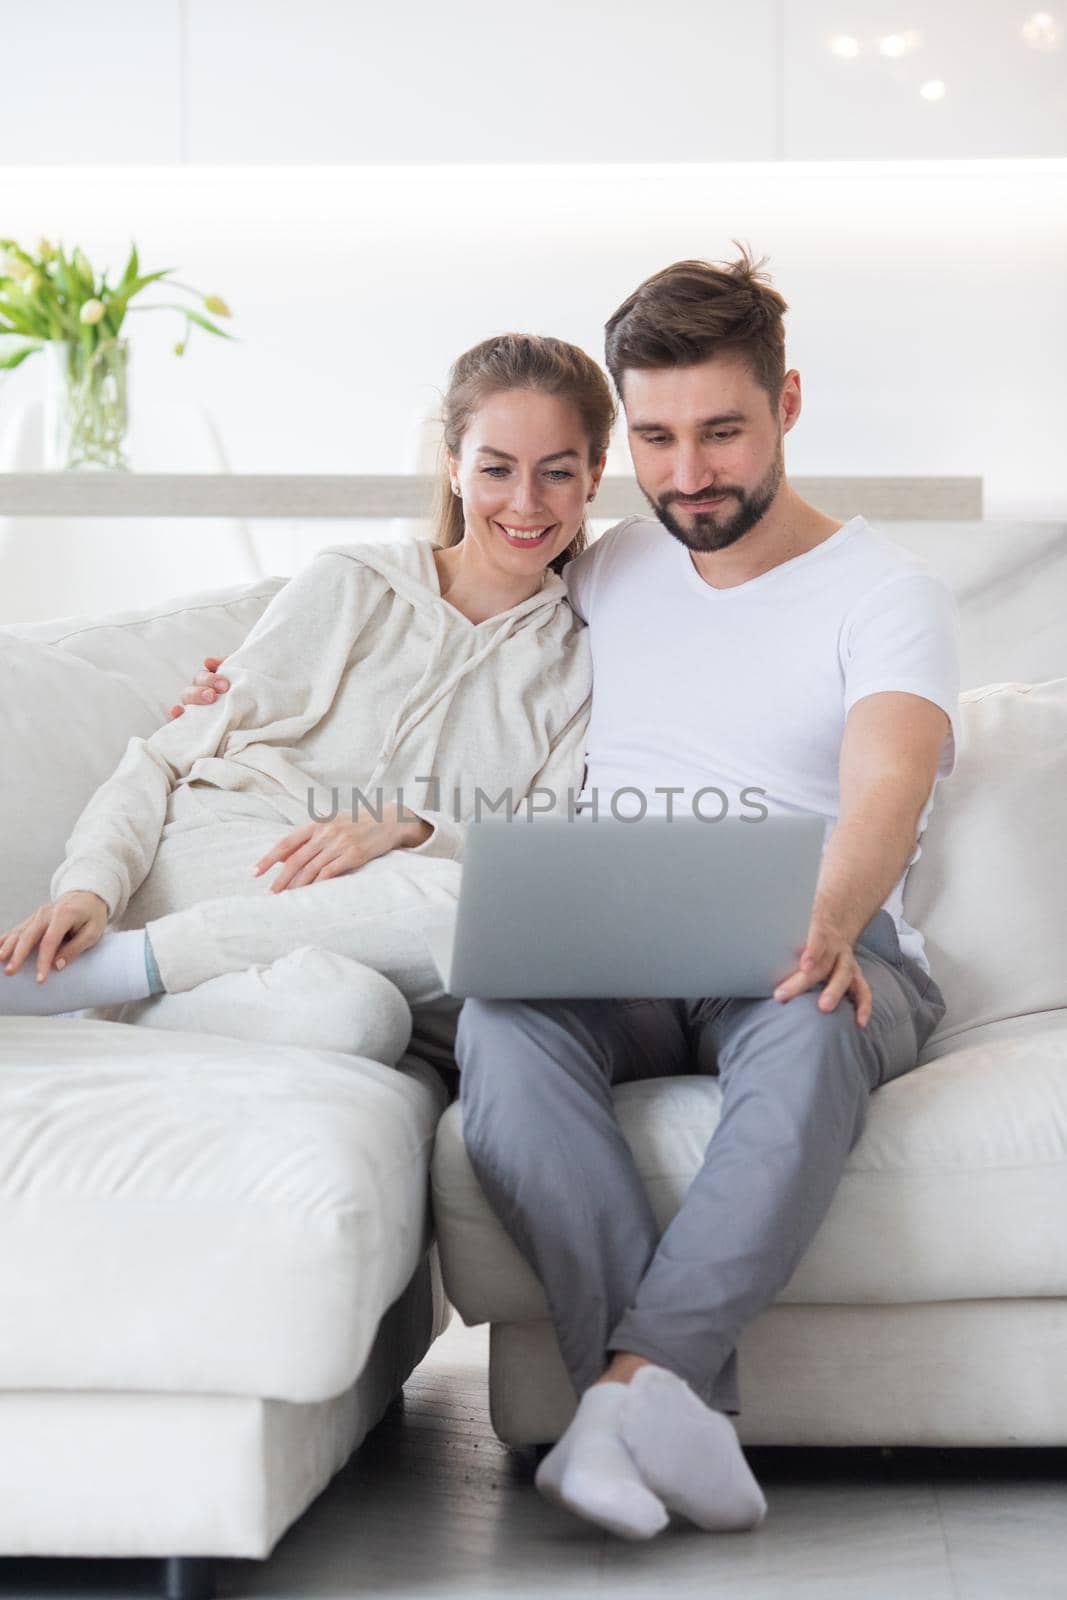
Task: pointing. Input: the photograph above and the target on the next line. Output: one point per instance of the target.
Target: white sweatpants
(206, 914)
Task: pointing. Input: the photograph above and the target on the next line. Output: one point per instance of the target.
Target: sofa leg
(188, 1578)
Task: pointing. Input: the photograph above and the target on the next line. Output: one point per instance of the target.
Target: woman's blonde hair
(519, 361)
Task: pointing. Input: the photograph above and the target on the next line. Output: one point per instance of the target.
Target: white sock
(591, 1472)
(112, 970)
(689, 1454)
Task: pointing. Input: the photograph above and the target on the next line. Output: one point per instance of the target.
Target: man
(742, 638)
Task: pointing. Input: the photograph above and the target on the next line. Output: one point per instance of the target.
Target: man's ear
(790, 401)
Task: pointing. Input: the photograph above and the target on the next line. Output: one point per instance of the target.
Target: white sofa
(931, 1308)
(218, 1259)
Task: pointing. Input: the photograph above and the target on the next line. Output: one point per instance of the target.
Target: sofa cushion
(989, 891)
(75, 692)
(201, 1215)
(956, 1190)
(160, 647)
(64, 727)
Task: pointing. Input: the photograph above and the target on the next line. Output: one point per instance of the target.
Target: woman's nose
(526, 497)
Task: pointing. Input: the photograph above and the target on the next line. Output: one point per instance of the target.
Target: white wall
(353, 81)
(927, 311)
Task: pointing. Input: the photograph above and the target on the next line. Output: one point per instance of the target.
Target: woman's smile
(526, 537)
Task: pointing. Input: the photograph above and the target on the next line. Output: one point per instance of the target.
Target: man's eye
(730, 433)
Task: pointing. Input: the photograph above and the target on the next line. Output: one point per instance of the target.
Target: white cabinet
(902, 79)
(481, 81)
(96, 83)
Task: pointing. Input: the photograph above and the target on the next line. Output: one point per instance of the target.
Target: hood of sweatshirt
(409, 567)
(410, 570)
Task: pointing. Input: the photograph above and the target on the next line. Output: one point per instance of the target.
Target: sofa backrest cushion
(989, 890)
(75, 692)
(1010, 584)
(160, 648)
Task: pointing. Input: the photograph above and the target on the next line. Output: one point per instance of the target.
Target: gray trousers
(541, 1132)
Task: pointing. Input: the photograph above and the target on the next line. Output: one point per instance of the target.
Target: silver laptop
(656, 907)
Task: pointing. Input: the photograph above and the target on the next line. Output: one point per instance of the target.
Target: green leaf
(64, 276)
(45, 298)
(14, 352)
(121, 298)
(16, 319)
(81, 264)
(131, 268)
(19, 309)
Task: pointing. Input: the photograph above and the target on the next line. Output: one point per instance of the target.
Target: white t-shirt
(747, 689)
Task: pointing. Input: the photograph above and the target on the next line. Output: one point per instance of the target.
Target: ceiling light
(933, 90)
(896, 45)
(845, 46)
(1042, 31)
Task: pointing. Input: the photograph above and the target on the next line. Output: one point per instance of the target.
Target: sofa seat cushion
(956, 1190)
(185, 1213)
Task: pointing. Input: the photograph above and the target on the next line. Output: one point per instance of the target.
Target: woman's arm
(284, 678)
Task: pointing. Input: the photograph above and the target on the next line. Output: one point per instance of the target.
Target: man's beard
(706, 534)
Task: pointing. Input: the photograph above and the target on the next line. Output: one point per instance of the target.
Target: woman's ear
(598, 473)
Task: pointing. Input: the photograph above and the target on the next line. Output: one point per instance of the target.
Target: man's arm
(889, 758)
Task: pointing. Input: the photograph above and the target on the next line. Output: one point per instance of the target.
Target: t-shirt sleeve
(577, 575)
(583, 575)
(904, 636)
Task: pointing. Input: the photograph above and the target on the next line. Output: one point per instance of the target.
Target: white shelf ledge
(131, 494)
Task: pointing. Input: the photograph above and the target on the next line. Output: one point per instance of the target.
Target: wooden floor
(432, 1506)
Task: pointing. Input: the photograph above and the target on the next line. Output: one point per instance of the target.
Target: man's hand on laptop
(828, 957)
(205, 687)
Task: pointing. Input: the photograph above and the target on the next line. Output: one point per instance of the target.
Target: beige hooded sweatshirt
(358, 674)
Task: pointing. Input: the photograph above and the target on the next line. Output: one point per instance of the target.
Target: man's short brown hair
(694, 310)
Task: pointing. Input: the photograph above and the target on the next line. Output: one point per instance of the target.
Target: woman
(381, 689)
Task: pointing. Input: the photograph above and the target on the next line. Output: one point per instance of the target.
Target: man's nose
(691, 472)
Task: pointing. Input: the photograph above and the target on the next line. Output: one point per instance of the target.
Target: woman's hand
(78, 916)
(205, 687)
(330, 849)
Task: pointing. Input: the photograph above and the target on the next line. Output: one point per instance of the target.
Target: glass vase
(86, 406)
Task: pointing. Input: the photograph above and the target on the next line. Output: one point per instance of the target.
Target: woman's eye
(559, 472)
